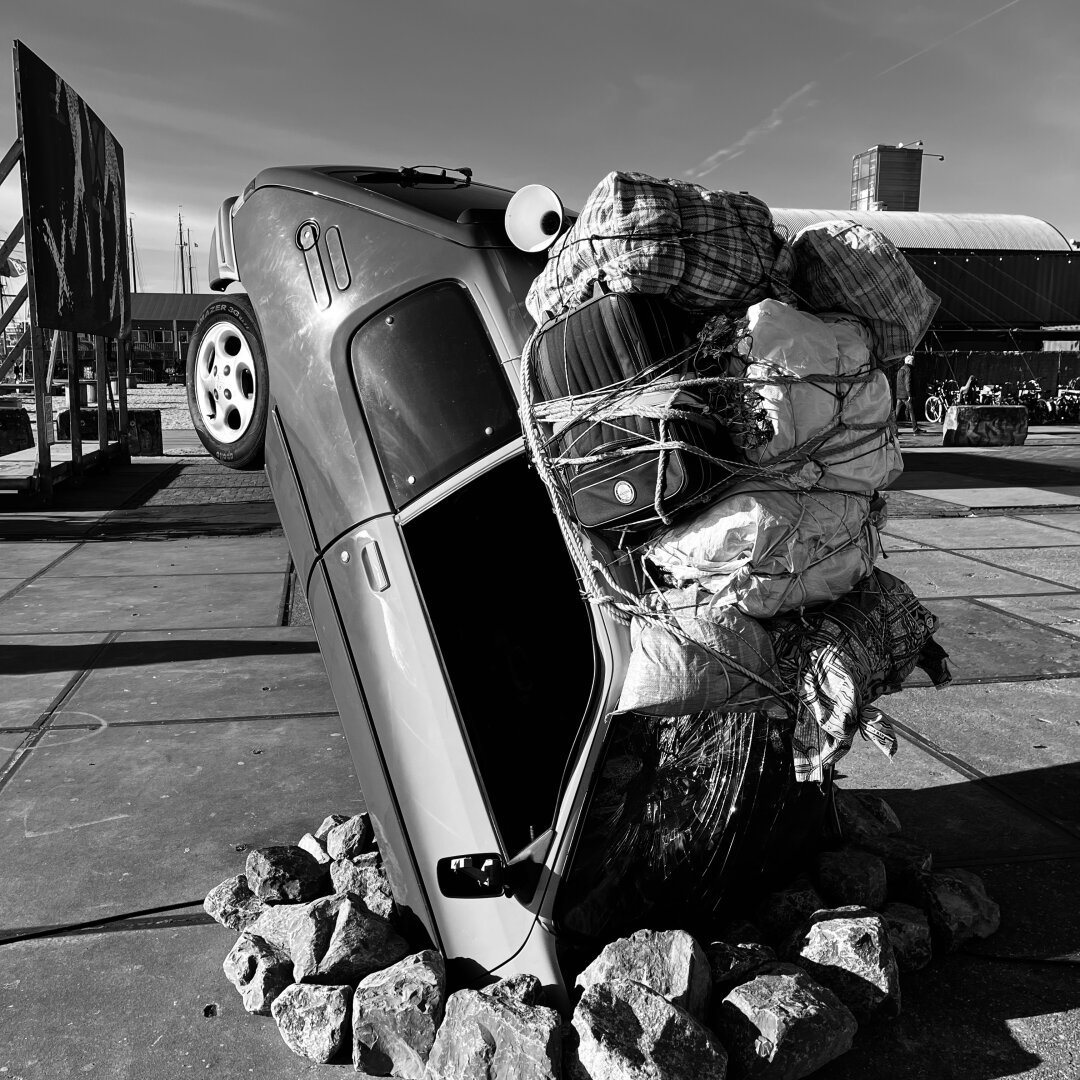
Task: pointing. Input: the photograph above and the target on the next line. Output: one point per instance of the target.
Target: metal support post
(101, 363)
(74, 400)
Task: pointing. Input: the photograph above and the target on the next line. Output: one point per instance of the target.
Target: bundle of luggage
(708, 405)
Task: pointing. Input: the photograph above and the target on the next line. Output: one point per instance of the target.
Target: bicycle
(940, 396)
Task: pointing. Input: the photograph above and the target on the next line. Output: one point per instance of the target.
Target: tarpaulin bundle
(841, 658)
(767, 549)
(689, 654)
(689, 814)
(843, 266)
(829, 409)
(703, 250)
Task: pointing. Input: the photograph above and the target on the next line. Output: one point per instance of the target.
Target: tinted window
(432, 388)
(514, 633)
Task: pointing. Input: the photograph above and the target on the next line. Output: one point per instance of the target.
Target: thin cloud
(737, 148)
(948, 37)
(254, 10)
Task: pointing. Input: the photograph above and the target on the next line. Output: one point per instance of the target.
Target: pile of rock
(320, 950)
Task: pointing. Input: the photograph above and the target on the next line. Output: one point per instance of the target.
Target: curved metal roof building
(999, 276)
(942, 232)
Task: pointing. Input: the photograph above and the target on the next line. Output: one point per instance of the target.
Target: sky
(773, 97)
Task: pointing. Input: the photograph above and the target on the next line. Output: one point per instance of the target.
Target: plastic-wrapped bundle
(842, 657)
(767, 549)
(842, 266)
(700, 249)
(829, 407)
(689, 816)
(689, 655)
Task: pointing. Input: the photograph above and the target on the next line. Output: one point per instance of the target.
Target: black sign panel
(74, 194)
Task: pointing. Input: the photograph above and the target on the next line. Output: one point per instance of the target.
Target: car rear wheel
(227, 383)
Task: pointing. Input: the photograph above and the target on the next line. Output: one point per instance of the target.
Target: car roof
(445, 201)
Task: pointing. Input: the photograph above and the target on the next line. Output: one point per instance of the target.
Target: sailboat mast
(180, 227)
(190, 268)
(131, 244)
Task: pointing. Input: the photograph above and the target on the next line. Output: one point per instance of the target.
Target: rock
(233, 904)
(313, 1020)
(909, 935)
(627, 1031)
(258, 971)
(314, 848)
(959, 908)
(367, 881)
(730, 965)
(329, 823)
(350, 838)
(670, 962)
(863, 815)
(395, 1015)
(782, 1025)
(849, 876)
(906, 864)
(485, 1036)
(285, 874)
(524, 989)
(852, 956)
(334, 939)
(784, 911)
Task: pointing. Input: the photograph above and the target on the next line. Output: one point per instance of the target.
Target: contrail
(772, 121)
(947, 37)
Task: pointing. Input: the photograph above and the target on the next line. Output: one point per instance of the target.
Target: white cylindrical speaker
(534, 217)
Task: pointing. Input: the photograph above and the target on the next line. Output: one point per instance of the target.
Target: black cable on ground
(68, 928)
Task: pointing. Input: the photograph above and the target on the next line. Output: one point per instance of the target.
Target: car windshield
(432, 389)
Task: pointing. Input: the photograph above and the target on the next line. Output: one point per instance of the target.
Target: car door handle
(374, 567)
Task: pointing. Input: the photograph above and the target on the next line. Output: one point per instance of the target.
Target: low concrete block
(15, 431)
(985, 425)
(144, 429)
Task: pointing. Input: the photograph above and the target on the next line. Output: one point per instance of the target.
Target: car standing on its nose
(374, 366)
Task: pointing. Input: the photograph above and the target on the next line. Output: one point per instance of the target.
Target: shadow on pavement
(982, 1013)
(36, 659)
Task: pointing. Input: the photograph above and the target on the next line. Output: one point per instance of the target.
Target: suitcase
(604, 343)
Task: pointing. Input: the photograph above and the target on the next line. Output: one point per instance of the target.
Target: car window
(515, 637)
(432, 389)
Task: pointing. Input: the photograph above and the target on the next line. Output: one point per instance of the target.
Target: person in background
(903, 392)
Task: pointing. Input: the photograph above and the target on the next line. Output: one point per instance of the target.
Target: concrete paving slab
(980, 532)
(1024, 734)
(938, 574)
(209, 555)
(152, 603)
(1069, 522)
(987, 497)
(34, 669)
(1060, 565)
(955, 817)
(891, 542)
(132, 1005)
(987, 644)
(196, 674)
(21, 560)
(117, 818)
(1060, 613)
(7, 584)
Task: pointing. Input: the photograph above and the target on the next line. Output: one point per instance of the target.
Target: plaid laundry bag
(843, 657)
(843, 266)
(700, 249)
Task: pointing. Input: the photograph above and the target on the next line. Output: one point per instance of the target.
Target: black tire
(228, 383)
(934, 410)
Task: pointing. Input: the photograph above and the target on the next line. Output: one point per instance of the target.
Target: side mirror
(467, 876)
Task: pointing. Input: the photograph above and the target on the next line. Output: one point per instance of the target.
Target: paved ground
(163, 707)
